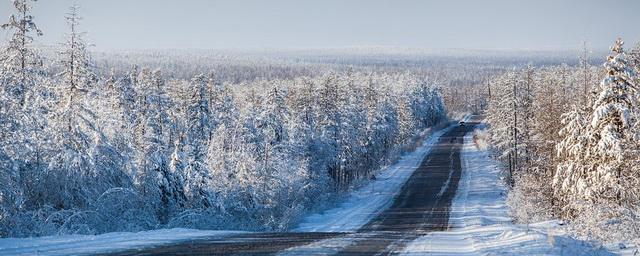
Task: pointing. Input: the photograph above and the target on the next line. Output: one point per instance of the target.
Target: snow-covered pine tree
(77, 78)
(73, 129)
(634, 57)
(586, 77)
(200, 126)
(304, 118)
(330, 120)
(307, 147)
(199, 117)
(223, 104)
(634, 60)
(21, 79)
(20, 61)
(115, 120)
(548, 108)
(373, 121)
(75, 59)
(154, 177)
(354, 137)
(501, 114)
(387, 126)
(83, 163)
(613, 133)
(406, 120)
(526, 101)
(569, 177)
(274, 120)
(111, 95)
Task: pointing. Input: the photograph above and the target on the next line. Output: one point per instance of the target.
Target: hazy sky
(473, 24)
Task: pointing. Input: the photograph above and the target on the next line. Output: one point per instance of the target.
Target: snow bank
(365, 202)
(481, 224)
(109, 242)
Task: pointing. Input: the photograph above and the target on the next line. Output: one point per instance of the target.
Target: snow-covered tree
(199, 129)
(330, 121)
(612, 131)
(76, 80)
(634, 57)
(22, 85)
(154, 177)
(22, 120)
(523, 114)
(20, 61)
(634, 60)
(75, 60)
(569, 176)
(72, 123)
(586, 78)
(596, 181)
(503, 114)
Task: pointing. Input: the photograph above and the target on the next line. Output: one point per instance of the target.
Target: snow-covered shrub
(34, 223)
(530, 199)
(123, 209)
(606, 222)
(10, 196)
(200, 219)
(82, 223)
(54, 221)
(482, 139)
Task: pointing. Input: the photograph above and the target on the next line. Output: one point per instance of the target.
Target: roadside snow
(480, 223)
(331, 246)
(109, 242)
(363, 203)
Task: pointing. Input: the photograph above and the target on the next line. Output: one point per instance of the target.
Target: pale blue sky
(471, 24)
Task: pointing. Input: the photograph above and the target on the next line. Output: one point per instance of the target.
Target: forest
(135, 149)
(568, 137)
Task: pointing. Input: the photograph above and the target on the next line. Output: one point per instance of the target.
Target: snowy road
(421, 206)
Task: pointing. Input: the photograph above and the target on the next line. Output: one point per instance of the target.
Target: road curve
(422, 206)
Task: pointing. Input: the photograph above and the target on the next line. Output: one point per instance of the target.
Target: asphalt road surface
(422, 206)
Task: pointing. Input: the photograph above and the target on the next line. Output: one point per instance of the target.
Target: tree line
(568, 138)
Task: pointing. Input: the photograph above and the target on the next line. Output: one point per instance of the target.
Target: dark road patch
(244, 244)
(424, 202)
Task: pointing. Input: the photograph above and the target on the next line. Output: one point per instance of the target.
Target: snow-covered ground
(481, 224)
(363, 203)
(110, 242)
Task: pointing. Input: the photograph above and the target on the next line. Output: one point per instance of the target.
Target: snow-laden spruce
(610, 131)
(570, 150)
(599, 179)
